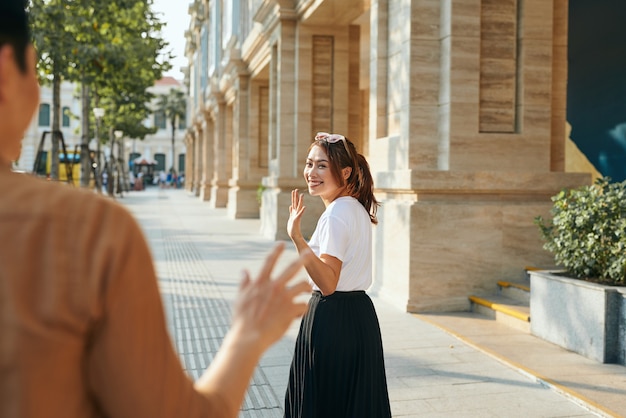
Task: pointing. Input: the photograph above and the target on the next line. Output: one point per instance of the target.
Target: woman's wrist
(297, 239)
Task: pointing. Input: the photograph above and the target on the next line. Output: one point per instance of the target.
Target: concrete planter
(584, 317)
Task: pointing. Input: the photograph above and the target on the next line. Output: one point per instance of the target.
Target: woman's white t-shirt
(344, 231)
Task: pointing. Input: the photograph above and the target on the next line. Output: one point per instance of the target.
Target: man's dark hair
(14, 29)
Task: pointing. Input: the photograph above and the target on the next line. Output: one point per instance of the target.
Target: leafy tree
(112, 47)
(174, 107)
(132, 65)
(47, 18)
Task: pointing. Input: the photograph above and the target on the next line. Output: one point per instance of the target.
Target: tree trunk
(85, 160)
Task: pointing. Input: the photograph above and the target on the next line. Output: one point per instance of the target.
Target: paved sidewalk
(199, 255)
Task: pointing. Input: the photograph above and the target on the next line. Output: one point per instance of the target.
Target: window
(159, 119)
(133, 155)
(66, 117)
(160, 160)
(181, 163)
(44, 114)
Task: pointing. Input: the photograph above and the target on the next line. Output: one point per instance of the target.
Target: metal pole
(98, 168)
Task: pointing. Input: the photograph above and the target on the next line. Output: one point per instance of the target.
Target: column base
(457, 234)
(219, 196)
(243, 201)
(205, 192)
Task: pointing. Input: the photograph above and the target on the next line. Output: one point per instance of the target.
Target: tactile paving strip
(198, 316)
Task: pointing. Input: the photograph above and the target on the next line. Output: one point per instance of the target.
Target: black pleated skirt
(338, 368)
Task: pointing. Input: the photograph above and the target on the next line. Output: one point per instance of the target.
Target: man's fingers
(290, 271)
(294, 267)
(300, 309)
(245, 280)
(270, 262)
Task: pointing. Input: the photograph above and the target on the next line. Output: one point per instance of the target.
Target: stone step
(509, 306)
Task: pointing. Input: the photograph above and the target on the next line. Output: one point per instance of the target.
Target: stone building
(42, 123)
(156, 147)
(459, 106)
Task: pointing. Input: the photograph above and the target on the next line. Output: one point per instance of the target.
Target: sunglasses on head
(332, 139)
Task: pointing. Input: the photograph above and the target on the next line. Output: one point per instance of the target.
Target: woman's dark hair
(360, 183)
(14, 29)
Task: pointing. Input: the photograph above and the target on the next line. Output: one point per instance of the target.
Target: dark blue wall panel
(596, 91)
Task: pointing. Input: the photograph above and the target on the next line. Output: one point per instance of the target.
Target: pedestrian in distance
(338, 366)
(139, 182)
(82, 327)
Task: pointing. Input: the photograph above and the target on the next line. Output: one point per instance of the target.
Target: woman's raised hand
(296, 209)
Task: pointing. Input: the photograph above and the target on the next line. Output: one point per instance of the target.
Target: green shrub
(587, 234)
(259, 193)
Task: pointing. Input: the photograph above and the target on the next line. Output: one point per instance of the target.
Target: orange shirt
(82, 328)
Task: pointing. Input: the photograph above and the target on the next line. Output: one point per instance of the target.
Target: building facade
(42, 123)
(458, 105)
(156, 147)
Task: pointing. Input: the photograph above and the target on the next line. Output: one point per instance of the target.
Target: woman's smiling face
(319, 176)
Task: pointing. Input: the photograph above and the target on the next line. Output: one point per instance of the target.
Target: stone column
(318, 99)
(222, 160)
(246, 175)
(464, 144)
(282, 134)
(189, 166)
(207, 157)
(197, 164)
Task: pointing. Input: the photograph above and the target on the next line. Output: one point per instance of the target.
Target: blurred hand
(265, 308)
(295, 214)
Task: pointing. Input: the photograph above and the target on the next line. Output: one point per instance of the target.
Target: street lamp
(98, 112)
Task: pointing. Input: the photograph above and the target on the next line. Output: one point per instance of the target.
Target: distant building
(42, 122)
(155, 147)
(158, 147)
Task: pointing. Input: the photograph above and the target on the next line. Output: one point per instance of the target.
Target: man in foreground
(82, 328)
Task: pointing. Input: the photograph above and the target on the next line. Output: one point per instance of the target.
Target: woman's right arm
(323, 270)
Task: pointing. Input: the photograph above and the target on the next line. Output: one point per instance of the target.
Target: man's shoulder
(37, 188)
(37, 196)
